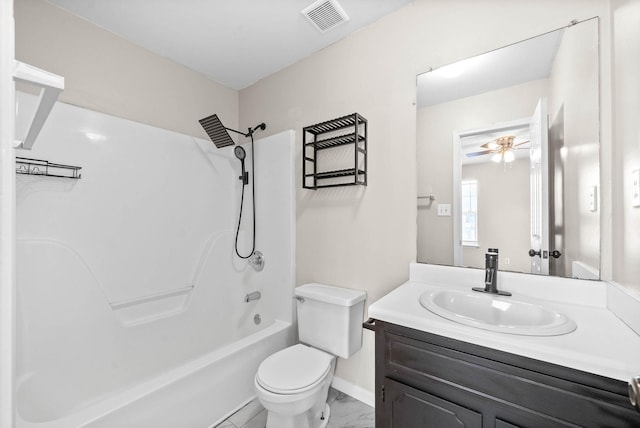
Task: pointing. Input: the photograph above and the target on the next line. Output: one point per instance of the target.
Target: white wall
(626, 67)
(364, 238)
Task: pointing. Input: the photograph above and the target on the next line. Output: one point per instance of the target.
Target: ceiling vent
(325, 14)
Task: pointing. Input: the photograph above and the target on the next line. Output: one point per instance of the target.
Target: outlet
(635, 188)
(444, 210)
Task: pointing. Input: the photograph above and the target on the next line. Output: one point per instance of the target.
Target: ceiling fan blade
(474, 154)
(519, 144)
(491, 145)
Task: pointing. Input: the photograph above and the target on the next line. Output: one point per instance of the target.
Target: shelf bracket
(51, 85)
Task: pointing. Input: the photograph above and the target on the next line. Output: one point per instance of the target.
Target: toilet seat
(293, 370)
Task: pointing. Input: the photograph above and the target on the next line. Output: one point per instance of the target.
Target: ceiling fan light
(496, 158)
(509, 156)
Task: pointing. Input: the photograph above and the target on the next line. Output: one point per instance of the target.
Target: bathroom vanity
(431, 371)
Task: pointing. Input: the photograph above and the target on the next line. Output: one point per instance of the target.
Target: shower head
(219, 133)
(239, 152)
(216, 131)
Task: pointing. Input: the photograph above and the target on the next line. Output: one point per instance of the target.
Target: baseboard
(355, 391)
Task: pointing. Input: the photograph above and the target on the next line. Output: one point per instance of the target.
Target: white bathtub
(198, 394)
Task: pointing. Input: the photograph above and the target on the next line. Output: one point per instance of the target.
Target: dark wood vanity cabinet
(425, 380)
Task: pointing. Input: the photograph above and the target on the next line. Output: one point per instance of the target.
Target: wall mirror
(508, 157)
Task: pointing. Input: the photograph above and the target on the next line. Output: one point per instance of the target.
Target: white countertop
(602, 344)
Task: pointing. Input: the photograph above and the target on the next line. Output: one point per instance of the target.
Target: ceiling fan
(502, 148)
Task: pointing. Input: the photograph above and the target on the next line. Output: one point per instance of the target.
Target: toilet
(293, 383)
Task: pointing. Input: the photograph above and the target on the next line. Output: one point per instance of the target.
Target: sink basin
(497, 313)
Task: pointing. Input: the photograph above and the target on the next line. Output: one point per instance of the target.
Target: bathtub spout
(252, 296)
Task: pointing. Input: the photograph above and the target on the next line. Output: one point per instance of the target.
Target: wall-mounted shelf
(345, 131)
(46, 168)
(50, 87)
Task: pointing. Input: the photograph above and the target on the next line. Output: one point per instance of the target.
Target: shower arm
(250, 132)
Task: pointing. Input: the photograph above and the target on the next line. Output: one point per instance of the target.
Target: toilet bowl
(293, 383)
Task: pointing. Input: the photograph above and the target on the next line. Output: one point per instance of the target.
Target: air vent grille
(325, 14)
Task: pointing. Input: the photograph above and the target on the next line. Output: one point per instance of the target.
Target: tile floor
(346, 412)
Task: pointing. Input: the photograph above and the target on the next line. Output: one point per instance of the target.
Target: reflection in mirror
(508, 157)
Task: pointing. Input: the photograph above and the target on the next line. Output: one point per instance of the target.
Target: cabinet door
(407, 407)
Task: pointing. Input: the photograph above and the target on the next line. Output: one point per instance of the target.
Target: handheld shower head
(241, 154)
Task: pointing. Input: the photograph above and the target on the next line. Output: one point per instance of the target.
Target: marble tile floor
(346, 412)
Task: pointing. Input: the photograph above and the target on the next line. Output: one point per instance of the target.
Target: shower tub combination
(132, 308)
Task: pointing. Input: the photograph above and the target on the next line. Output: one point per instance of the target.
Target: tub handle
(369, 324)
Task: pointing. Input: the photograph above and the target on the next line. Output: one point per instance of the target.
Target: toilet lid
(293, 368)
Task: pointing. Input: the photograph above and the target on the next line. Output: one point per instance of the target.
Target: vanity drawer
(454, 370)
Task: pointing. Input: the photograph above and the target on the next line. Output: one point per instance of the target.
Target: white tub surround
(130, 298)
(602, 344)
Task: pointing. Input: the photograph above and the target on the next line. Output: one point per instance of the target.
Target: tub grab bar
(150, 297)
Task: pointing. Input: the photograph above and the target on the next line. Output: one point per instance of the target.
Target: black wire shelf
(337, 173)
(327, 135)
(47, 169)
(336, 141)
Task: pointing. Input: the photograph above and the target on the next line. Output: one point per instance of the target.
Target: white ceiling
(511, 65)
(234, 42)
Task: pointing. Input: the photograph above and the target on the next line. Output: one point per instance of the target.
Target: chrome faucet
(491, 274)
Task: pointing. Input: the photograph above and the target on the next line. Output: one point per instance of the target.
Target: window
(470, 213)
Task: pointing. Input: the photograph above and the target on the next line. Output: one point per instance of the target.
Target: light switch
(635, 188)
(593, 198)
(444, 210)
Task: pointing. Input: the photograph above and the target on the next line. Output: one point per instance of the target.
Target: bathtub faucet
(252, 296)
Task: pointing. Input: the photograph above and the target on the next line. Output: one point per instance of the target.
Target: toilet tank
(330, 318)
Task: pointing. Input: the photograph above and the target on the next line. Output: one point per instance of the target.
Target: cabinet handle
(634, 392)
